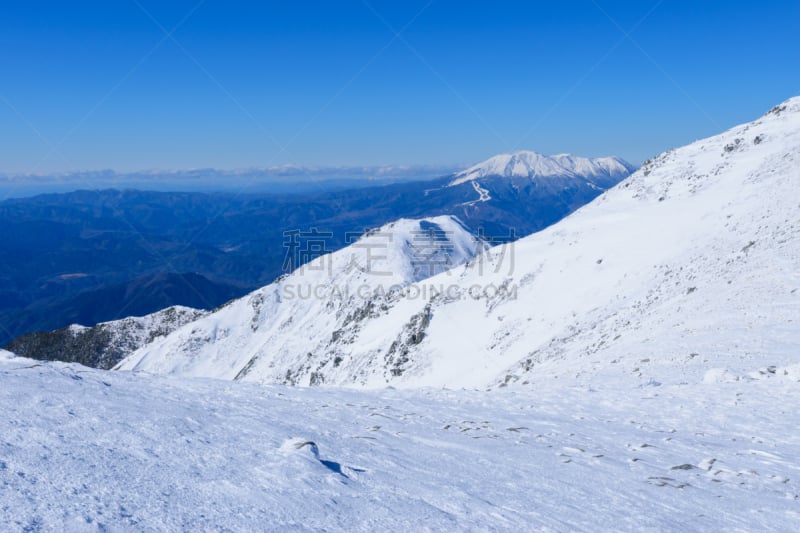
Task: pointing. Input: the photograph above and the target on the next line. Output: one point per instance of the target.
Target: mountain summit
(529, 164)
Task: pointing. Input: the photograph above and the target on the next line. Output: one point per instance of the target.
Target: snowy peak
(290, 330)
(529, 164)
(519, 165)
(398, 253)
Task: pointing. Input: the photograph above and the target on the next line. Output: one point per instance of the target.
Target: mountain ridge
(666, 250)
(105, 344)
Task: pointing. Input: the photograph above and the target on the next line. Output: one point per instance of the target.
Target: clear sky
(143, 84)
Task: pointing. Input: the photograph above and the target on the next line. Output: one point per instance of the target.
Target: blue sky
(94, 85)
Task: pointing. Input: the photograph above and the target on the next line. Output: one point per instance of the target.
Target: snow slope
(692, 263)
(264, 334)
(88, 450)
(533, 165)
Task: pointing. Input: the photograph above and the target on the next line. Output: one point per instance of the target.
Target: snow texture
(88, 450)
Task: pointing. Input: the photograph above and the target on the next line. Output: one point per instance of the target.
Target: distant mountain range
(97, 256)
(282, 179)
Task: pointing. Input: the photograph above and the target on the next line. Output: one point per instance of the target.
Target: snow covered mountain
(497, 207)
(532, 165)
(287, 331)
(525, 191)
(107, 343)
(692, 263)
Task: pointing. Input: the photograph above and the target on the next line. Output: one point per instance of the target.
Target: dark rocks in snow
(412, 334)
(777, 110)
(734, 146)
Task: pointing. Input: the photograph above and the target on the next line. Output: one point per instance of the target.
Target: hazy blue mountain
(282, 179)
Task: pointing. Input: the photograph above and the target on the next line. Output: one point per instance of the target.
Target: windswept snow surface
(87, 450)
